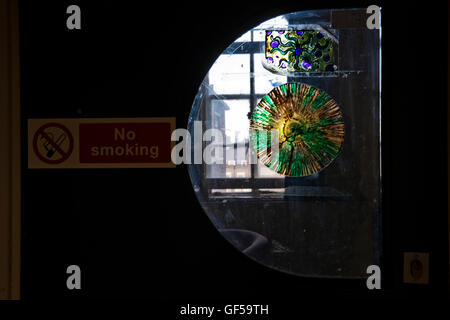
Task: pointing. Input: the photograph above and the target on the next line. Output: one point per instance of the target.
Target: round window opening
(272, 165)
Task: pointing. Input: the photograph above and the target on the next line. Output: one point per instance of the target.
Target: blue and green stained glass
(299, 51)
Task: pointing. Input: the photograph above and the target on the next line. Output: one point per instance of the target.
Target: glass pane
(280, 21)
(265, 81)
(259, 35)
(231, 118)
(230, 74)
(246, 37)
(264, 172)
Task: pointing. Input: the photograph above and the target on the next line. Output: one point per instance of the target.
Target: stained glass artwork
(299, 51)
(310, 129)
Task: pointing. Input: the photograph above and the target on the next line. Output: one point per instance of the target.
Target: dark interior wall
(10, 155)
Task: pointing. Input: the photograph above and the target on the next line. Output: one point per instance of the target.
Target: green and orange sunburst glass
(310, 129)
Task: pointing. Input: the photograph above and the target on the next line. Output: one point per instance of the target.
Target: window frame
(253, 182)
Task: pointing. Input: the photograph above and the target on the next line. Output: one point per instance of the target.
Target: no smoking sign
(53, 143)
(100, 143)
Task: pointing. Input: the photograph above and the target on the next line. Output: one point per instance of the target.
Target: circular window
(281, 141)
